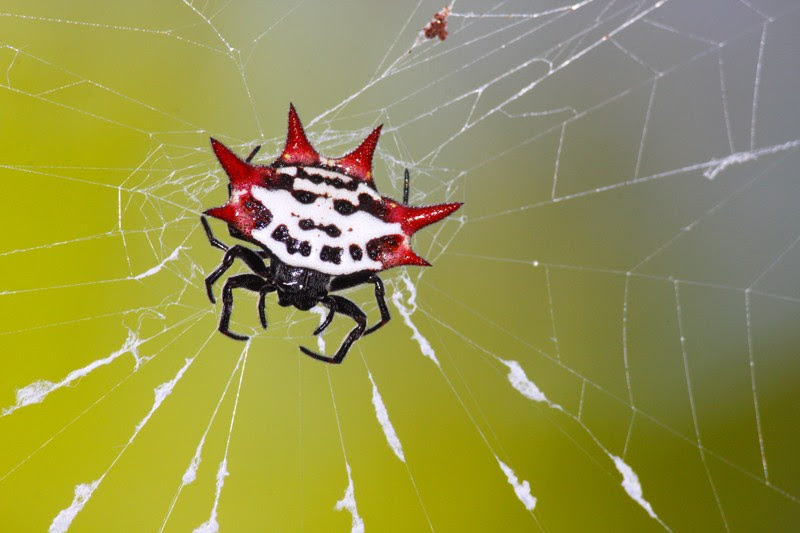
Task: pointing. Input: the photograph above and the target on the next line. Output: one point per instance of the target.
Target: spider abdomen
(322, 214)
(321, 227)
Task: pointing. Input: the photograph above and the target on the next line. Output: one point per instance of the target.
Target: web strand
(620, 285)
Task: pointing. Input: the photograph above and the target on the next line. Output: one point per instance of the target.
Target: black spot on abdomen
(343, 207)
(293, 246)
(336, 183)
(355, 252)
(281, 233)
(304, 197)
(260, 214)
(370, 205)
(378, 248)
(331, 254)
(330, 229)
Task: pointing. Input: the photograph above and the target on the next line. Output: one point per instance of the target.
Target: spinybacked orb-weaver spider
(323, 226)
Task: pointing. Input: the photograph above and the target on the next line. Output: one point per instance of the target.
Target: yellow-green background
(105, 113)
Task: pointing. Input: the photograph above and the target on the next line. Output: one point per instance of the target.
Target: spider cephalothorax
(323, 226)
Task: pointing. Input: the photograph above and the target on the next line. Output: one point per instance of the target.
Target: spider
(322, 225)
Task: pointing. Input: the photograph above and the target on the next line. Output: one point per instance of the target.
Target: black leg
(406, 186)
(346, 307)
(380, 292)
(216, 243)
(252, 154)
(262, 294)
(260, 282)
(247, 255)
(250, 282)
(325, 323)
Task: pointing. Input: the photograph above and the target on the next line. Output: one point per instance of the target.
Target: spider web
(607, 340)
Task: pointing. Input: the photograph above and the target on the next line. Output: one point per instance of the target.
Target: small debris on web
(348, 503)
(437, 27)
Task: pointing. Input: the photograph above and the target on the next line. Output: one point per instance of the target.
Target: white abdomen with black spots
(357, 229)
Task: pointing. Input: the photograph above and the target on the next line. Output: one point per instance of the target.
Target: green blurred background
(655, 306)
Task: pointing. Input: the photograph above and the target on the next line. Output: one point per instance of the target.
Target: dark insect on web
(321, 224)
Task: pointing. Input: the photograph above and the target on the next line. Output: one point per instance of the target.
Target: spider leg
(250, 282)
(325, 323)
(252, 154)
(406, 186)
(346, 307)
(380, 292)
(216, 243)
(250, 257)
(262, 294)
